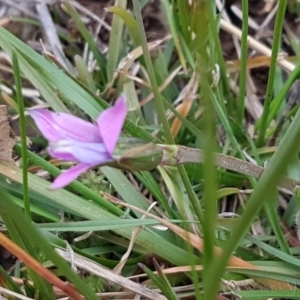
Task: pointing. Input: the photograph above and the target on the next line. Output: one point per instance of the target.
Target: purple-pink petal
(74, 139)
(87, 153)
(69, 175)
(59, 126)
(110, 123)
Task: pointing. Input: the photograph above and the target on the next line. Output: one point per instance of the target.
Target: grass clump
(202, 202)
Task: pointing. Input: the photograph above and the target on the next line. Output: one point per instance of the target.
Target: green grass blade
(157, 97)
(129, 21)
(99, 225)
(261, 295)
(18, 83)
(115, 40)
(124, 187)
(174, 31)
(275, 50)
(148, 180)
(277, 101)
(101, 60)
(161, 282)
(275, 252)
(273, 218)
(75, 185)
(265, 185)
(148, 238)
(84, 76)
(243, 60)
(47, 78)
(183, 10)
(7, 281)
(30, 238)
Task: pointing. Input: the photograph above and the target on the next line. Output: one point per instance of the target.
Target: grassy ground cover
(199, 199)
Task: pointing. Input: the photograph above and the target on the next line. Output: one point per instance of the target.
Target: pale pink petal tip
(56, 126)
(110, 123)
(69, 175)
(43, 120)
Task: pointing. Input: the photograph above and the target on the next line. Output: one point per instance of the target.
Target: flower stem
(182, 155)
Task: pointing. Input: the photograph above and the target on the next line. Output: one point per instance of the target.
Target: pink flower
(73, 139)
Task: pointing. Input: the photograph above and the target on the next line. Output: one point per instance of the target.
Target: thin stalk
(157, 97)
(184, 20)
(115, 41)
(209, 199)
(99, 57)
(190, 192)
(174, 31)
(220, 58)
(83, 73)
(175, 155)
(277, 101)
(275, 50)
(243, 59)
(205, 61)
(22, 123)
(273, 218)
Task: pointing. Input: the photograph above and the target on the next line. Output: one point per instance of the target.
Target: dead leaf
(189, 94)
(6, 142)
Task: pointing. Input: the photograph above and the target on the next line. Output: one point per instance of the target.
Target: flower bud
(142, 157)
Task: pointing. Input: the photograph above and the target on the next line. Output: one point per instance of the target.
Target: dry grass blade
(102, 272)
(163, 86)
(254, 44)
(189, 94)
(38, 267)
(185, 155)
(127, 61)
(51, 33)
(89, 13)
(25, 9)
(252, 63)
(6, 292)
(125, 257)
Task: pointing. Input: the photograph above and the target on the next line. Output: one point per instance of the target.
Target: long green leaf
(99, 225)
(148, 238)
(29, 238)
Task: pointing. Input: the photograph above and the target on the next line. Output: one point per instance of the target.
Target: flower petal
(68, 176)
(110, 123)
(87, 153)
(59, 126)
